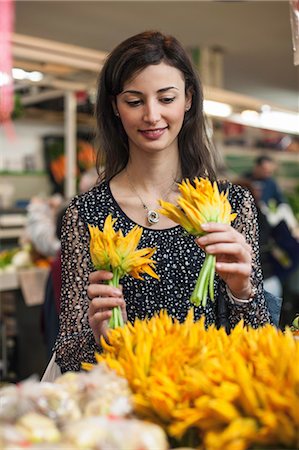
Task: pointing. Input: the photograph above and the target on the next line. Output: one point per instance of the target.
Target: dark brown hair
(128, 58)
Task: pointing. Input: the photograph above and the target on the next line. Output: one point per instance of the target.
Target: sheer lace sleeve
(254, 313)
(75, 342)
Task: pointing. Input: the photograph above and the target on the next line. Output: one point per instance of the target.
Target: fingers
(103, 304)
(219, 232)
(100, 311)
(232, 251)
(99, 324)
(230, 268)
(224, 240)
(103, 290)
(233, 256)
(102, 299)
(225, 236)
(97, 288)
(99, 275)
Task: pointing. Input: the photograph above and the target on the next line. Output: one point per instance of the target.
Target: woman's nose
(152, 113)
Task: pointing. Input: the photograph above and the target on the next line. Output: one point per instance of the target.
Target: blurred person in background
(271, 200)
(40, 227)
(271, 281)
(42, 215)
(261, 177)
(279, 253)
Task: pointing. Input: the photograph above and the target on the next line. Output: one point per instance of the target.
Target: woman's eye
(134, 102)
(167, 99)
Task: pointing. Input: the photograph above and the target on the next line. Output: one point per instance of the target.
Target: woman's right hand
(102, 299)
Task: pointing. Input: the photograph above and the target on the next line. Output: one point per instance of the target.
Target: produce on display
(162, 384)
(79, 411)
(200, 202)
(205, 387)
(22, 257)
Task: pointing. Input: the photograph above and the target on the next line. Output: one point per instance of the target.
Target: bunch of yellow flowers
(228, 392)
(112, 251)
(200, 202)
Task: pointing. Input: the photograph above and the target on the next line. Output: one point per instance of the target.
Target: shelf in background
(14, 173)
(11, 233)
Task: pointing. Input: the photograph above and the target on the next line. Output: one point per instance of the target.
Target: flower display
(112, 251)
(208, 389)
(200, 203)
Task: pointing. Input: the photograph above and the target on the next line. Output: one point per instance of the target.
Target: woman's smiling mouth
(155, 133)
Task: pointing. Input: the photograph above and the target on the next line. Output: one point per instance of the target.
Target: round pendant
(152, 217)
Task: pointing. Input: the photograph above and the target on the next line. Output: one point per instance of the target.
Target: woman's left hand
(233, 256)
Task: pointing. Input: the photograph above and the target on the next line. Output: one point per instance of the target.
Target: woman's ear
(114, 106)
(188, 101)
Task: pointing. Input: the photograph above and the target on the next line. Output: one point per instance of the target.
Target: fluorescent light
(212, 108)
(249, 114)
(35, 76)
(265, 108)
(281, 121)
(20, 74)
(268, 119)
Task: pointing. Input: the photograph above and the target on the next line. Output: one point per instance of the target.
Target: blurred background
(247, 54)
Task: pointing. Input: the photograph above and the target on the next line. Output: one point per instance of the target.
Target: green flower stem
(204, 294)
(212, 277)
(205, 282)
(198, 294)
(116, 320)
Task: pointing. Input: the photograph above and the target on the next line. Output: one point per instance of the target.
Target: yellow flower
(236, 391)
(200, 203)
(100, 244)
(133, 261)
(111, 250)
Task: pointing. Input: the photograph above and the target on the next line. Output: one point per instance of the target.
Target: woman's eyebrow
(132, 91)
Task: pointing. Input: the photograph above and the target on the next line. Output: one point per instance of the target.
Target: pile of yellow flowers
(209, 389)
(200, 202)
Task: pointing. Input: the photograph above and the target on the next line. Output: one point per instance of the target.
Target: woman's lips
(154, 133)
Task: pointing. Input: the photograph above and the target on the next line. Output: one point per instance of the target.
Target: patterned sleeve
(254, 313)
(75, 342)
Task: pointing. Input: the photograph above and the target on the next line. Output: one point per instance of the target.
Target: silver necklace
(152, 215)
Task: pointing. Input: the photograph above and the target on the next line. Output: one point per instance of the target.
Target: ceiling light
(265, 108)
(20, 74)
(217, 109)
(280, 121)
(249, 114)
(35, 76)
(285, 122)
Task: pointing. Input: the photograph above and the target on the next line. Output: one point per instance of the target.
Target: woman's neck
(155, 175)
(140, 185)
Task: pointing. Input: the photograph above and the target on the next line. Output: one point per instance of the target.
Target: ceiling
(255, 36)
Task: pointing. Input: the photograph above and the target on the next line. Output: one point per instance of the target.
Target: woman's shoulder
(96, 192)
(225, 184)
(237, 194)
(90, 202)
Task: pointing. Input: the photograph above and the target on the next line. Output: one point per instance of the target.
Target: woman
(150, 119)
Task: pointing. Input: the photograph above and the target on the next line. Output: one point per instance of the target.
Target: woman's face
(152, 106)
